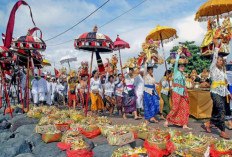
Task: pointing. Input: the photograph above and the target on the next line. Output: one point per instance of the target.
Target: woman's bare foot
(146, 121)
(154, 120)
(119, 112)
(162, 117)
(124, 116)
(166, 124)
(186, 127)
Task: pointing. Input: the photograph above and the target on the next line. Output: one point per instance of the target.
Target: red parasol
(94, 42)
(120, 44)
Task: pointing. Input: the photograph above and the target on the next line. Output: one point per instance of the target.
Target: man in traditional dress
(42, 89)
(139, 89)
(54, 89)
(35, 93)
(49, 93)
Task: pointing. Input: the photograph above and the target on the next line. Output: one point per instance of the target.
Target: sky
(55, 16)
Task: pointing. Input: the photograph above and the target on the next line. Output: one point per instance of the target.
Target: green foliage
(196, 61)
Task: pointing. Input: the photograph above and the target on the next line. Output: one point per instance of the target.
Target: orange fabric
(96, 102)
(8, 110)
(91, 134)
(154, 151)
(79, 153)
(64, 146)
(214, 153)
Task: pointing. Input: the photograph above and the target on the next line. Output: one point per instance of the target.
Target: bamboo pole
(90, 71)
(121, 66)
(28, 70)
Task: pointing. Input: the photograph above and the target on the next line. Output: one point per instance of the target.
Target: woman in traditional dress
(219, 92)
(129, 97)
(151, 97)
(165, 93)
(119, 93)
(109, 93)
(179, 114)
(95, 89)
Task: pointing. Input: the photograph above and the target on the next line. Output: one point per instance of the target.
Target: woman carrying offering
(129, 97)
(219, 92)
(95, 89)
(179, 114)
(151, 97)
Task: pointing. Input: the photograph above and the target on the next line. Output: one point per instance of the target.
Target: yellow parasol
(46, 63)
(164, 35)
(214, 9)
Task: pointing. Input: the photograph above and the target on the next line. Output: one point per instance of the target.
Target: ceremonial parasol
(67, 59)
(46, 63)
(164, 35)
(120, 44)
(94, 42)
(214, 9)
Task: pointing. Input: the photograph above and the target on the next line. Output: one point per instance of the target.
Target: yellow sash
(165, 89)
(215, 84)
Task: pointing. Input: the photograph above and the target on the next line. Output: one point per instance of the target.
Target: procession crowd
(136, 92)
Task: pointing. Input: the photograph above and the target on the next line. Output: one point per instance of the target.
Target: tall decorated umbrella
(118, 45)
(27, 47)
(96, 43)
(164, 35)
(23, 45)
(214, 9)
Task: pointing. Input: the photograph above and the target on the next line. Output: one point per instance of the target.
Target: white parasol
(68, 59)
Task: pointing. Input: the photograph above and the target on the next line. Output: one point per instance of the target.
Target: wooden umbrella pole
(121, 66)
(28, 67)
(4, 84)
(69, 65)
(165, 63)
(90, 71)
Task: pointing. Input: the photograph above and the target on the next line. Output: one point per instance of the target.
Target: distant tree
(196, 61)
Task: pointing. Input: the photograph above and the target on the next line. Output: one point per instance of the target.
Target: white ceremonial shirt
(139, 85)
(118, 88)
(109, 87)
(35, 86)
(42, 83)
(218, 75)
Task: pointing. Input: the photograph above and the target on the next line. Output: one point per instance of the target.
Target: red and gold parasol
(94, 42)
(118, 45)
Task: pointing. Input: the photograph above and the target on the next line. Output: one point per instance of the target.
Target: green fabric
(166, 107)
(179, 78)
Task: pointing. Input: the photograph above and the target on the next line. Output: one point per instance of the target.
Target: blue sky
(54, 16)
